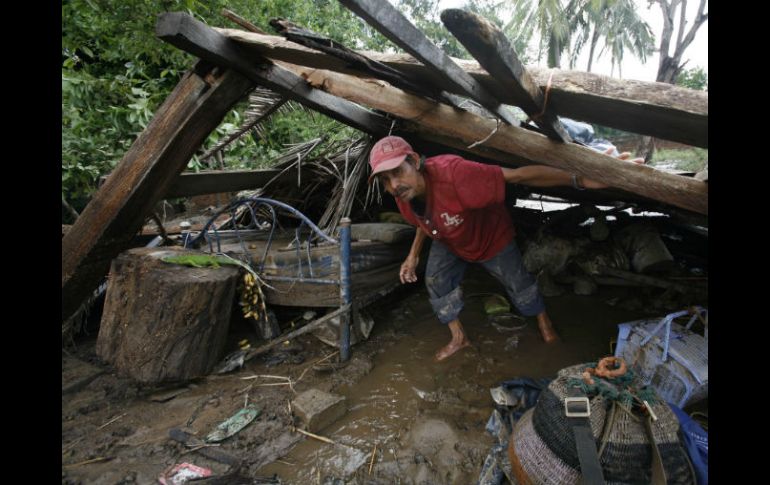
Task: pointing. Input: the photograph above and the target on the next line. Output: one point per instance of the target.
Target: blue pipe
(344, 336)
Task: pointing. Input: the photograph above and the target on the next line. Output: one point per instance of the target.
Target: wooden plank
(392, 24)
(214, 182)
(360, 62)
(433, 117)
(491, 48)
(185, 32)
(657, 109)
(191, 112)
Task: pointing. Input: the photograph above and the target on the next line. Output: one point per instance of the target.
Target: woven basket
(542, 445)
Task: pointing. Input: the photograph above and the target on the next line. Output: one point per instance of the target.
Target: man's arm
(408, 274)
(544, 176)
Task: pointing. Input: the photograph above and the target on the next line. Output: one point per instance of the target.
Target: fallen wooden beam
(491, 48)
(657, 109)
(296, 333)
(118, 209)
(430, 117)
(185, 32)
(214, 182)
(392, 24)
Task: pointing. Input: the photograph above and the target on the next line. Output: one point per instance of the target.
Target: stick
(266, 377)
(314, 363)
(242, 21)
(371, 463)
(111, 421)
(319, 438)
(310, 326)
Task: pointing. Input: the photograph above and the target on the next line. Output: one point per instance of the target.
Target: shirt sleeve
(478, 185)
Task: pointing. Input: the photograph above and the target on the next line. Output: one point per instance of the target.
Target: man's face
(404, 181)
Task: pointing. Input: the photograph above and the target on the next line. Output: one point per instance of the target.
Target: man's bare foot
(450, 349)
(546, 328)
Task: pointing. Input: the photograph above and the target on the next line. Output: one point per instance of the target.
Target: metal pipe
(344, 335)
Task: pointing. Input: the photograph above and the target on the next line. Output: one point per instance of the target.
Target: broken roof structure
(423, 96)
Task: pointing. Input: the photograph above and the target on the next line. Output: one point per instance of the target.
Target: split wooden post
(491, 48)
(392, 24)
(116, 213)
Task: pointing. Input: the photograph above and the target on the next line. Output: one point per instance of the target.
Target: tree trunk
(165, 322)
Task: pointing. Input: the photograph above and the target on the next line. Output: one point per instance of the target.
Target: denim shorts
(445, 271)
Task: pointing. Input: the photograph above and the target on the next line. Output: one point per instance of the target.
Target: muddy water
(427, 419)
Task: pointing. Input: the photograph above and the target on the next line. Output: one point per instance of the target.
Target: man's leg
(507, 266)
(443, 275)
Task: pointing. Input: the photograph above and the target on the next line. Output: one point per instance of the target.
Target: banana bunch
(252, 299)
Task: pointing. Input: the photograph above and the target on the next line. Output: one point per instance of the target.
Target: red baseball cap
(387, 154)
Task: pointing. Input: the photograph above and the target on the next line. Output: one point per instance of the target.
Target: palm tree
(624, 28)
(570, 26)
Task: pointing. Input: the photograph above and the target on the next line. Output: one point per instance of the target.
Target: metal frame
(253, 203)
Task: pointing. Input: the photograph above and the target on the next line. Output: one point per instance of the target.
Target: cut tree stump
(165, 322)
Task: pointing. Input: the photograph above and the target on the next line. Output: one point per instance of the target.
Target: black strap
(590, 469)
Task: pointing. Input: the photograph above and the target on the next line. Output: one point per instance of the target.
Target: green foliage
(688, 159)
(695, 78)
(116, 73)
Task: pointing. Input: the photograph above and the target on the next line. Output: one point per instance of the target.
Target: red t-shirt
(463, 207)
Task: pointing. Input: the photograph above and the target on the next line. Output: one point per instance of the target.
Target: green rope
(616, 388)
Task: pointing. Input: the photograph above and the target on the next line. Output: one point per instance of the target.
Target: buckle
(577, 411)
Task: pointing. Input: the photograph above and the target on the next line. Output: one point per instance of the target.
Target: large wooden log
(491, 48)
(165, 322)
(118, 209)
(649, 108)
(395, 26)
(428, 116)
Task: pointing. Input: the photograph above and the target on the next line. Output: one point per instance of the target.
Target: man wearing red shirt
(460, 205)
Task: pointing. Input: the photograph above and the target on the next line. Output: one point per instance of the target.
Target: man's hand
(593, 184)
(407, 273)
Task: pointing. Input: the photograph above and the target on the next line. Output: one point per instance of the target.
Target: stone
(318, 409)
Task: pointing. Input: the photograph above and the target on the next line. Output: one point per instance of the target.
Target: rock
(318, 409)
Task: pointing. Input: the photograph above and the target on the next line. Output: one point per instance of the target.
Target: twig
(266, 377)
(111, 421)
(307, 367)
(241, 21)
(67, 448)
(371, 463)
(94, 460)
(198, 447)
(319, 438)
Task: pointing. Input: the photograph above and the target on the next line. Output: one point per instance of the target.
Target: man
(460, 205)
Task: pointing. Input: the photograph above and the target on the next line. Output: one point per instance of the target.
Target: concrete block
(318, 409)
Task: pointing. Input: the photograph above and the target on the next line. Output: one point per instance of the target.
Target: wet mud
(409, 419)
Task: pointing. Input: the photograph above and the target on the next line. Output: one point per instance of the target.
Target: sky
(697, 52)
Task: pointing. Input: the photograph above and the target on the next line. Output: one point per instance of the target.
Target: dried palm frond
(262, 103)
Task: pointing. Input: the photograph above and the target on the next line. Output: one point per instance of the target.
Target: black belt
(577, 408)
